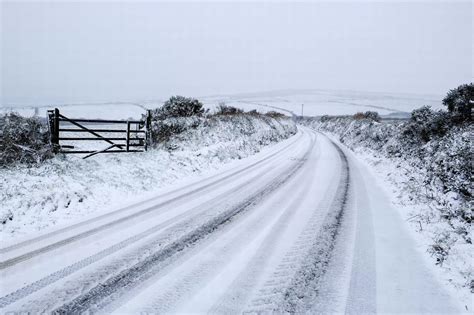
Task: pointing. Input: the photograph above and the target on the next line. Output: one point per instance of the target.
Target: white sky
(84, 51)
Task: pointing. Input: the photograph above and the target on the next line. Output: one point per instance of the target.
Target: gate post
(53, 122)
(148, 129)
(127, 145)
(56, 129)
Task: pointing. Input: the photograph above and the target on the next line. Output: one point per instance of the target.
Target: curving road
(301, 227)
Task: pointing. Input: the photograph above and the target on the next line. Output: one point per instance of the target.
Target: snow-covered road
(302, 227)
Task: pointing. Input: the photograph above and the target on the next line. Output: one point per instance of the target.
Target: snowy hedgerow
(223, 109)
(372, 115)
(180, 106)
(163, 130)
(229, 130)
(433, 153)
(254, 112)
(23, 140)
(425, 124)
(180, 114)
(459, 103)
(367, 115)
(439, 150)
(175, 116)
(274, 114)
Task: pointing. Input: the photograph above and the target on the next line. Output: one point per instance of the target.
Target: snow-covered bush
(163, 129)
(274, 114)
(367, 115)
(459, 101)
(244, 133)
(175, 116)
(442, 154)
(223, 109)
(23, 140)
(170, 120)
(178, 106)
(426, 124)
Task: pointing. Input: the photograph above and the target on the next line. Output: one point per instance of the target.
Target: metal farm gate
(122, 136)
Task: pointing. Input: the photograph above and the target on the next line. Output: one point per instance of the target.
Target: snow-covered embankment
(65, 189)
(428, 178)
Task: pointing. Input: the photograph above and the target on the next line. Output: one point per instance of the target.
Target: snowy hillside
(327, 102)
(316, 103)
(100, 110)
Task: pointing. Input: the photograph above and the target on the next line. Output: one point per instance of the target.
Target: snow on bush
(169, 123)
(367, 115)
(175, 116)
(67, 187)
(431, 155)
(223, 109)
(459, 102)
(242, 135)
(23, 140)
(179, 106)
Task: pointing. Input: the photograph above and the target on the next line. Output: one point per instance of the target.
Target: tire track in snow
(242, 287)
(124, 263)
(58, 275)
(15, 260)
(114, 213)
(293, 287)
(101, 295)
(182, 288)
(300, 295)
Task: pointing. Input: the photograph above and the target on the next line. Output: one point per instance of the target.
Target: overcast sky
(69, 52)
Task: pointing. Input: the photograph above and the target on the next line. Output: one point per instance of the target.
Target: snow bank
(431, 182)
(66, 188)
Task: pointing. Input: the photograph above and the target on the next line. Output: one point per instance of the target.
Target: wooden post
(148, 129)
(55, 131)
(50, 125)
(56, 125)
(128, 137)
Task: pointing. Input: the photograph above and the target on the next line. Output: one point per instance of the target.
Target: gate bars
(136, 135)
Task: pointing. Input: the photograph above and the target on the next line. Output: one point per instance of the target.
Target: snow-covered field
(316, 103)
(107, 110)
(325, 102)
